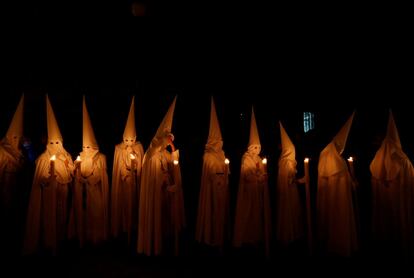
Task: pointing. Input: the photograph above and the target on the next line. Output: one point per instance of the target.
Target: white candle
(52, 165)
(306, 170)
(227, 161)
(175, 162)
(264, 162)
(351, 166)
(132, 157)
(78, 161)
(308, 208)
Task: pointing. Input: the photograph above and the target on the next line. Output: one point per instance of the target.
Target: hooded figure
(47, 215)
(126, 177)
(161, 204)
(393, 192)
(253, 222)
(289, 226)
(11, 162)
(213, 208)
(335, 206)
(89, 213)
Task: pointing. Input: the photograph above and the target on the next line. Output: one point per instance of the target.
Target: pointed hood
(342, 136)
(288, 149)
(130, 131)
(330, 159)
(392, 132)
(254, 134)
(88, 134)
(388, 160)
(16, 125)
(53, 132)
(166, 123)
(214, 134)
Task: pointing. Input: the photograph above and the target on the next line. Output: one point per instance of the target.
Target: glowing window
(308, 121)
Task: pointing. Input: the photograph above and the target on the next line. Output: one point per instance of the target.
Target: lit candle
(308, 207)
(78, 161)
(52, 165)
(306, 161)
(264, 162)
(132, 157)
(175, 162)
(351, 166)
(226, 167)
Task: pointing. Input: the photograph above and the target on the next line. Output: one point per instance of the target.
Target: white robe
(126, 178)
(89, 216)
(47, 215)
(11, 162)
(213, 208)
(253, 221)
(393, 196)
(289, 225)
(335, 210)
(161, 205)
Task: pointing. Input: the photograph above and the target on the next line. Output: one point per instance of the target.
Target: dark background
(241, 65)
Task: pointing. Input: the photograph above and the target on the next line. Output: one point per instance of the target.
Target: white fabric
(161, 204)
(335, 209)
(90, 200)
(130, 129)
(88, 136)
(126, 180)
(213, 208)
(289, 225)
(393, 192)
(253, 221)
(47, 212)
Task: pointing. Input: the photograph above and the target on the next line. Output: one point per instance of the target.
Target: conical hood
(16, 125)
(392, 132)
(130, 131)
(288, 149)
(214, 134)
(53, 132)
(340, 139)
(166, 123)
(254, 134)
(88, 134)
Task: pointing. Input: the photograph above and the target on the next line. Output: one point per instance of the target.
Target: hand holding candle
(132, 157)
(52, 165)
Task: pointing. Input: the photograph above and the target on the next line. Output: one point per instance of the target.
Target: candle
(132, 157)
(306, 160)
(264, 162)
(77, 162)
(52, 165)
(308, 208)
(351, 166)
(226, 167)
(175, 162)
(227, 161)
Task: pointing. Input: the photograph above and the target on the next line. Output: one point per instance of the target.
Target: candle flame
(175, 162)
(131, 156)
(264, 160)
(78, 158)
(227, 161)
(306, 160)
(350, 159)
(53, 158)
